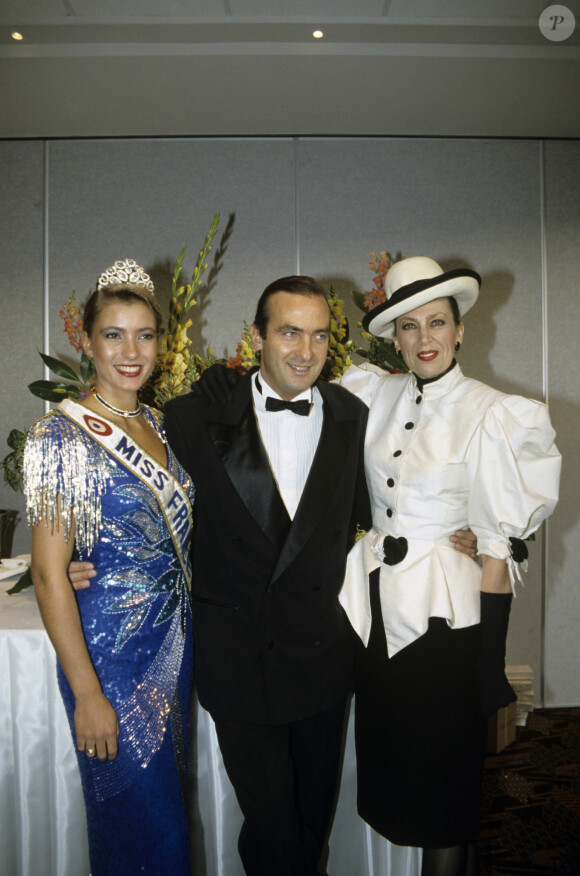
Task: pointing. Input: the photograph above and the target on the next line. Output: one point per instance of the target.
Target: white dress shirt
(290, 440)
(457, 454)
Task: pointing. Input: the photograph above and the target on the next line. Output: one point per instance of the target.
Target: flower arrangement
(339, 345)
(73, 323)
(178, 366)
(380, 351)
(12, 463)
(245, 357)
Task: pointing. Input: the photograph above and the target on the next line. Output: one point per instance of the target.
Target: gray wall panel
(21, 299)
(146, 198)
(563, 273)
(320, 205)
(465, 202)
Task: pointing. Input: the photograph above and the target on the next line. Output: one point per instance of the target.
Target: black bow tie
(302, 407)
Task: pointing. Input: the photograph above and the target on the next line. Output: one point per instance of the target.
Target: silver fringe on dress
(65, 476)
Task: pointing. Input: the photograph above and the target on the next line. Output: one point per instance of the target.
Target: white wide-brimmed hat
(415, 281)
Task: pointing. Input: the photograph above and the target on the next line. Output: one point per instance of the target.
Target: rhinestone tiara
(125, 271)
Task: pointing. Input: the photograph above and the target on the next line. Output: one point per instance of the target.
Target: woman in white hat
(443, 452)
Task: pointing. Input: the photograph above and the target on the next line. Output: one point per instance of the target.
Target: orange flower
(73, 323)
(377, 294)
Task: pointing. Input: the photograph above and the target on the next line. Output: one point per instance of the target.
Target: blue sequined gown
(137, 623)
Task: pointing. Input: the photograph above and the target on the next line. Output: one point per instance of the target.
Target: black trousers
(285, 778)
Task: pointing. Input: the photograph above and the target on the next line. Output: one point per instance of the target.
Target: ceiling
(117, 68)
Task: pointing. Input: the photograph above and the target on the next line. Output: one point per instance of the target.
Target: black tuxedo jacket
(272, 643)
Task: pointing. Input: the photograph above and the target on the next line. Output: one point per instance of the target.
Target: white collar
(439, 387)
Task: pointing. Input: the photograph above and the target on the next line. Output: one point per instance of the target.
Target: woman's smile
(427, 355)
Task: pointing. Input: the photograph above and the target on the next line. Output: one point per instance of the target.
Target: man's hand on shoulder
(216, 383)
(79, 574)
(465, 540)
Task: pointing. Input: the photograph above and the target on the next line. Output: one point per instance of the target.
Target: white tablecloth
(42, 821)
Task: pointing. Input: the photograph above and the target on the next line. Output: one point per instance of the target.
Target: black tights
(453, 861)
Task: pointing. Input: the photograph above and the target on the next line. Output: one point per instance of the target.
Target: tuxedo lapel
(326, 469)
(238, 443)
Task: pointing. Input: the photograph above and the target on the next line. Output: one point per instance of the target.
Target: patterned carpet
(531, 800)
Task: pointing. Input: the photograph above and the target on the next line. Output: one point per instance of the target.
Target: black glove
(518, 550)
(494, 689)
(216, 383)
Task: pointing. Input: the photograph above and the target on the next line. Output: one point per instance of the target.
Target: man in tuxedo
(280, 487)
(279, 490)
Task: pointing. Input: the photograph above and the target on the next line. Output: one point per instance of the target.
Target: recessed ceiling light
(317, 34)
(16, 36)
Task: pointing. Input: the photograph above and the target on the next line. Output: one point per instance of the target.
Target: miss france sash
(169, 493)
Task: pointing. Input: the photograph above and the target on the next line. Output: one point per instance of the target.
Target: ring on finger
(90, 752)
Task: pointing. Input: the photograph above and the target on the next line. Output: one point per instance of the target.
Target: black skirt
(420, 735)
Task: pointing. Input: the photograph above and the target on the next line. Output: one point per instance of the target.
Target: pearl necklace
(114, 410)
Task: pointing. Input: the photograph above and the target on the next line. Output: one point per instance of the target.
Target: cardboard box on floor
(501, 729)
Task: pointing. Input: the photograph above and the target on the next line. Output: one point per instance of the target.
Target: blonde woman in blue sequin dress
(102, 486)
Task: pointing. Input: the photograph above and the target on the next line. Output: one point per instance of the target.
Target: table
(42, 821)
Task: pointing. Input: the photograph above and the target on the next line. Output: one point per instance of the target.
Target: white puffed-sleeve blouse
(455, 455)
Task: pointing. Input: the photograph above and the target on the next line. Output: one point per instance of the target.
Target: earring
(457, 346)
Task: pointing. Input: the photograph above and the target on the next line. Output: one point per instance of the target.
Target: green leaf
(360, 351)
(87, 368)
(14, 478)
(12, 471)
(359, 300)
(50, 390)
(16, 439)
(177, 268)
(383, 354)
(11, 465)
(201, 263)
(59, 368)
